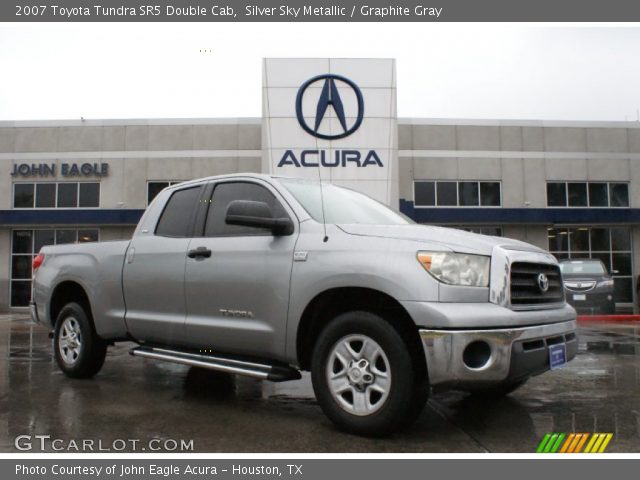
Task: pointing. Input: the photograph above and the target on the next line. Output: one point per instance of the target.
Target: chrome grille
(525, 287)
(583, 286)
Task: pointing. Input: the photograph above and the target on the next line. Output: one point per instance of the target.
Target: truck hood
(445, 238)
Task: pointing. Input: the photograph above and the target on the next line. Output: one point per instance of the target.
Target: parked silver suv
(265, 276)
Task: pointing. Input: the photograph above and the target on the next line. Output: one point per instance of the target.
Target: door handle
(203, 252)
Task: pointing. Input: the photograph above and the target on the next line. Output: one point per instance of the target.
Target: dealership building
(569, 187)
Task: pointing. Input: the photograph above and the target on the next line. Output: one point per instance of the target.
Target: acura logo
(543, 282)
(330, 97)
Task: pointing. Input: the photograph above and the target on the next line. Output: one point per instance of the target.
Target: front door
(237, 287)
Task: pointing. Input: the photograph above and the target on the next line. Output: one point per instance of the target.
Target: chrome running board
(263, 371)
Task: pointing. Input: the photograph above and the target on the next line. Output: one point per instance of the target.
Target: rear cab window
(178, 214)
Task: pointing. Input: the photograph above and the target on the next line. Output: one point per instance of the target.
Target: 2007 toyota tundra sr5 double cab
(267, 276)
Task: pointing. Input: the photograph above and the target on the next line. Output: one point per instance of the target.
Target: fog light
(476, 354)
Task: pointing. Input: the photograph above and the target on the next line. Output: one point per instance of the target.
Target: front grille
(584, 286)
(525, 288)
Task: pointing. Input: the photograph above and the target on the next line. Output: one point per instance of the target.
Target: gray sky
(65, 71)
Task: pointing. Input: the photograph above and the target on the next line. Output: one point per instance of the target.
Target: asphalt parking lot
(142, 400)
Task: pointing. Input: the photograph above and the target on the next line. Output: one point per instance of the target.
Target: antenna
(324, 221)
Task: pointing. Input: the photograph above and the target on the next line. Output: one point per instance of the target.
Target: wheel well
(331, 303)
(64, 293)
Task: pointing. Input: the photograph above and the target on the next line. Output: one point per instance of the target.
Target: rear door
(153, 275)
(238, 295)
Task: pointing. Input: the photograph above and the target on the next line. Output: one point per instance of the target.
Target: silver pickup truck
(267, 276)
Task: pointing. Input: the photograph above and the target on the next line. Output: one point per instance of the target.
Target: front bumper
(591, 302)
(515, 353)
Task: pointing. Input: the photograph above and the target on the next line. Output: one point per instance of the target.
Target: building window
(494, 231)
(587, 194)
(155, 187)
(56, 195)
(457, 194)
(611, 245)
(26, 244)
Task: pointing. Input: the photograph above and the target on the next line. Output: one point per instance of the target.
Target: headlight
(457, 268)
(605, 283)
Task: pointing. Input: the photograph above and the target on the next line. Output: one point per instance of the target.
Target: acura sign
(330, 99)
(332, 119)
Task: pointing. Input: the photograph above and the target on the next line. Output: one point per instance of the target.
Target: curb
(608, 318)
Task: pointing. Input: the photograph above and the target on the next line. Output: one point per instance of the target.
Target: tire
(497, 391)
(375, 397)
(79, 352)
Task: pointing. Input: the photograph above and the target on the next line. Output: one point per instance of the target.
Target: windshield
(593, 268)
(341, 205)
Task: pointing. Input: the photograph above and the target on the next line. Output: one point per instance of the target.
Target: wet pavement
(133, 401)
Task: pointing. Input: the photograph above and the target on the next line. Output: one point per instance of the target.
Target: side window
(175, 220)
(224, 194)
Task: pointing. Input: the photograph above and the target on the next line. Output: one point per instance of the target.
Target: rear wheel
(365, 377)
(79, 352)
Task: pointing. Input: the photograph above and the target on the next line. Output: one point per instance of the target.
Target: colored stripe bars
(574, 443)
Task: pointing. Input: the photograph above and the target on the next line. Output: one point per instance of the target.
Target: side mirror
(615, 272)
(248, 213)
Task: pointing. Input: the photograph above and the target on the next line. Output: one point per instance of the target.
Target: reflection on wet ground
(141, 399)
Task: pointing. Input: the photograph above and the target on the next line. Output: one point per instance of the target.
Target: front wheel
(79, 352)
(365, 377)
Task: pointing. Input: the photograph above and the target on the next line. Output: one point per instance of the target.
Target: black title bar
(319, 11)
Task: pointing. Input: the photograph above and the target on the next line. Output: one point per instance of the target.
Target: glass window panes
(600, 239)
(619, 194)
(425, 194)
(45, 195)
(620, 239)
(579, 239)
(22, 241)
(56, 195)
(23, 195)
(468, 194)
(493, 231)
(598, 195)
(66, 236)
(447, 194)
(490, 194)
(89, 235)
(20, 293)
(558, 239)
(21, 267)
(622, 263)
(89, 195)
(67, 195)
(623, 290)
(577, 194)
(42, 238)
(587, 194)
(154, 188)
(25, 245)
(557, 194)
(610, 245)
